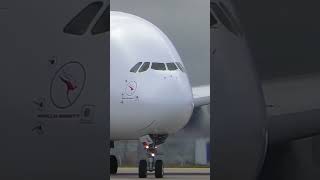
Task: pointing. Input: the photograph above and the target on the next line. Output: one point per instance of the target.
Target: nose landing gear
(151, 164)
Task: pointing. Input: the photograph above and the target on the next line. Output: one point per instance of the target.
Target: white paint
(162, 102)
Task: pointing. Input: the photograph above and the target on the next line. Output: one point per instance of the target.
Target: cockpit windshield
(81, 22)
(135, 67)
(180, 66)
(226, 18)
(145, 66)
(171, 66)
(158, 66)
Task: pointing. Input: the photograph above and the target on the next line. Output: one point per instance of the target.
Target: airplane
(257, 120)
(150, 93)
(252, 117)
(55, 76)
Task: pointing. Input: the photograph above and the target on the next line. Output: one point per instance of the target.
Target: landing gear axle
(151, 164)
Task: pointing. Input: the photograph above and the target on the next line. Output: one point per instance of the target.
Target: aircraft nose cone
(171, 100)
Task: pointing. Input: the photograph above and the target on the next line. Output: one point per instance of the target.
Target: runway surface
(170, 173)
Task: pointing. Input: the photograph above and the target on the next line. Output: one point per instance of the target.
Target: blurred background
(284, 39)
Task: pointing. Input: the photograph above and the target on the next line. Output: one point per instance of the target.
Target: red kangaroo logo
(69, 85)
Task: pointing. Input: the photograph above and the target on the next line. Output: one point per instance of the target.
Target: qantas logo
(67, 84)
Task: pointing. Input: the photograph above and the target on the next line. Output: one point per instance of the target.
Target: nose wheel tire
(152, 163)
(143, 169)
(113, 164)
(159, 169)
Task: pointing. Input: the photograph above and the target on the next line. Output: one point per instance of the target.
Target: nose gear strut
(151, 164)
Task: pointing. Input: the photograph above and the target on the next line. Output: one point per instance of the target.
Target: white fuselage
(154, 101)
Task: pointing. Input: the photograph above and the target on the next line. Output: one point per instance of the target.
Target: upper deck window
(144, 67)
(158, 66)
(135, 67)
(180, 66)
(80, 23)
(171, 66)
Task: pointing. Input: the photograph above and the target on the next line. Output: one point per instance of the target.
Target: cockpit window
(171, 66)
(144, 67)
(213, 20)
(103, 23)
(223, 18)
(180, 66)
(231, 17)
(158, 66)
(135, 67)
(80, 23)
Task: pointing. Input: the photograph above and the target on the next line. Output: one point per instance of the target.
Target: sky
(186, 23)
